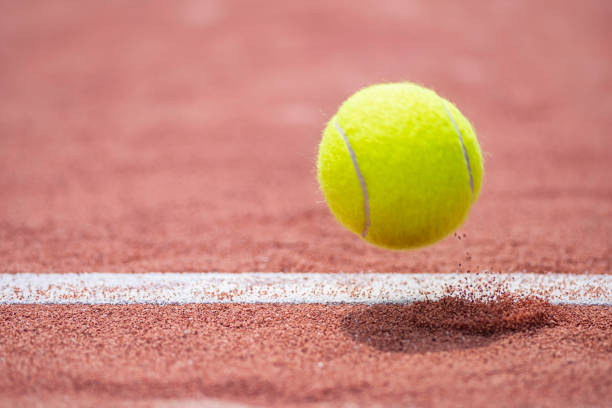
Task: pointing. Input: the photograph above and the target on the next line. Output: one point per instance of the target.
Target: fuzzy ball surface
(399, 165)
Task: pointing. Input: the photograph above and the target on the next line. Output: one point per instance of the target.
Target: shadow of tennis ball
(446, 324)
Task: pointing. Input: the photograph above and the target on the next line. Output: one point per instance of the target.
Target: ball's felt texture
(416, 171)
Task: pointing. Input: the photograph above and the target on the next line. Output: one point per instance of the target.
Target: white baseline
(295, 288)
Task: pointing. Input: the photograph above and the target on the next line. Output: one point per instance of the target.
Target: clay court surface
(182, 136)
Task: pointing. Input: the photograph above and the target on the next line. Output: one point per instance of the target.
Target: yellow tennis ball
(399, 165)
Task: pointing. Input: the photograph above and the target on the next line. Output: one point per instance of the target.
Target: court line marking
(326, 288)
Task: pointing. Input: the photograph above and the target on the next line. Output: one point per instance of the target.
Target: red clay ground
(308, 354)
(182, 137)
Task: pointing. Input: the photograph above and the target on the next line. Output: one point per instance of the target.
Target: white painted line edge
(294, 288)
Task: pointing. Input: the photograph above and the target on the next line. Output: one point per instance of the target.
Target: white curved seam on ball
(366, 199)
(465, 154)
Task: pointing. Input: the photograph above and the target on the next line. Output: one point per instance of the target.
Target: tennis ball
(399, 165)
